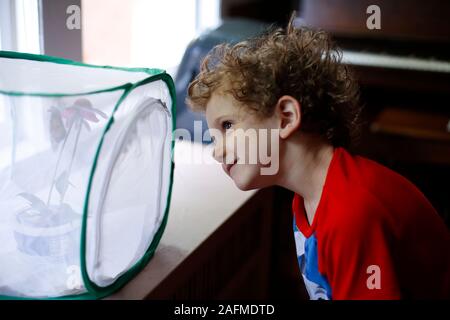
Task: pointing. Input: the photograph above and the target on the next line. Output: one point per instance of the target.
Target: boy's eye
(226, 125)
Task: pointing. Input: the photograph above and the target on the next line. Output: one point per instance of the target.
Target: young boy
(361, 230)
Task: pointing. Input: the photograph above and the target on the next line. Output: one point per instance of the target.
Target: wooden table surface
(203, 198)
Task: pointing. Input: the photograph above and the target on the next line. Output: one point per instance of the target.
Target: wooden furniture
(403, 68)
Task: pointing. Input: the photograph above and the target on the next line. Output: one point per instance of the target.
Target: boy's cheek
(254, 148)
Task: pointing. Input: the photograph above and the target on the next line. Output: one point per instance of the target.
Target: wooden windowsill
(203, 199)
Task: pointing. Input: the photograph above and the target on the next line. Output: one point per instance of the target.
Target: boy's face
(243, 142)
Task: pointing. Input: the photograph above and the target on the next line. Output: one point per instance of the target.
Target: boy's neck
(304, 167)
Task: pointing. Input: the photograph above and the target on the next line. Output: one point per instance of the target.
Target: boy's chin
(246, 184)
(248, 177)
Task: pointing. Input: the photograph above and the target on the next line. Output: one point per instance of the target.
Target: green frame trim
(94, 291)
(56, 60)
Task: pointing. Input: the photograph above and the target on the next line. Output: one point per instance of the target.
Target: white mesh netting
(79, 142)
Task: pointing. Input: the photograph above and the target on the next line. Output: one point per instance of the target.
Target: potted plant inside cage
(48, 228)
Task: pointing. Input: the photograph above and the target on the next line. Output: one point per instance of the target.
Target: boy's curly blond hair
(299, 62)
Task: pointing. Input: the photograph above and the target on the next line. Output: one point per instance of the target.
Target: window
(143, 33)
(19, 26)
(19, 31)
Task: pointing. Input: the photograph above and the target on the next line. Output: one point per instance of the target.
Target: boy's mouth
(227, 167)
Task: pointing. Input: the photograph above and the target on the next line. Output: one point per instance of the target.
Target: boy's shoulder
(362, 192)
(357, 174)
(360, 172)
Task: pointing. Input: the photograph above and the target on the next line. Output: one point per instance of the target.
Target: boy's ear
(288, 111)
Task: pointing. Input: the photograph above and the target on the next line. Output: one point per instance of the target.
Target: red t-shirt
(374, 236)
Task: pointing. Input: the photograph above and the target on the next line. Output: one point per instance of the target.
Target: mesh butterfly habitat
(85, 174)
